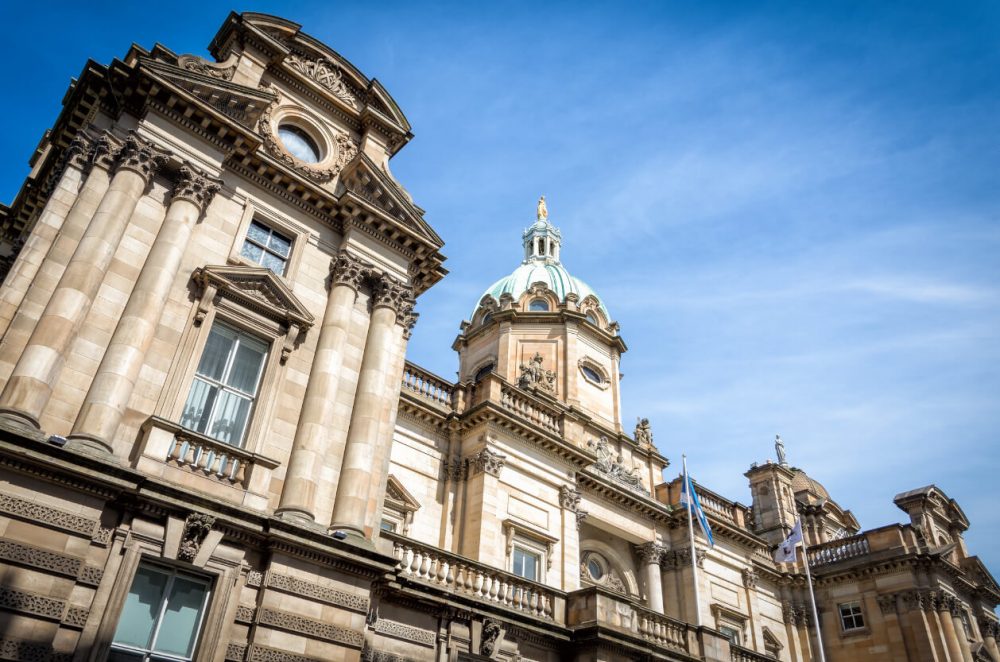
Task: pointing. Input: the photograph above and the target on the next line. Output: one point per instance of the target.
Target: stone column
(569, 500)
(30, 306)
(68, 177)
(106, 401)
(650, 553)
(312, 434)
(989, 631)
(29, 388)
(963, 639)
(357, 471)
(946, 609)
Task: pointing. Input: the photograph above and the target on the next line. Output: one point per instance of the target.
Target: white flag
(786, 550)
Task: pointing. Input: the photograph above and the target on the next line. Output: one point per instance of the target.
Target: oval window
(298, 143)
(538, 305)
(591, 374)
(595, 569)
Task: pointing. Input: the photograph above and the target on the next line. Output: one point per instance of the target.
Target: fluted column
(313, 432)
(29, 388)
(105, 403)
(389, 299)
(650, 554)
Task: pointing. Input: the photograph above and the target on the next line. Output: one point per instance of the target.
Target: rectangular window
(162, 616)
(386, 525)
(730, 633)
(850, 616)
(267, 248)
(526, 564)
(225, 385)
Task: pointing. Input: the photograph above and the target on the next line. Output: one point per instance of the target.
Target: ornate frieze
(316, 591)
(569, 497)
(258, 653)
(244, 614)
(26, 651)
(54, 517)
(196, 527)
(613, 466)
(369, 654)
(254, 578)
(534, 376)
(141, 157)
(75, 617)
(486, 461)
(91, 575)
(649, 553)
(324, 72)
(217, 70)
(309, 627)
(236, 651)
(403, 631)
(195, 186)
(43, 559)
(31, 603)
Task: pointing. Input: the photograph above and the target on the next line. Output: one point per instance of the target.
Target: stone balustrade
(720, 507)
(838, 550)
(462, 576)
(596, 606)
(528, 408)
(740, 654)
(428, 386)
(661, 630)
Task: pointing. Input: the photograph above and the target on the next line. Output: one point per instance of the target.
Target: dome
(542, 247)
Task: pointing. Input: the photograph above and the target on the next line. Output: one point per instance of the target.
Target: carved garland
(345, 149)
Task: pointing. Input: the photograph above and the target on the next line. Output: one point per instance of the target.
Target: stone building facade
(212, 446)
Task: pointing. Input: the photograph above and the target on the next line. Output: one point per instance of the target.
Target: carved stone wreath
(345, 149)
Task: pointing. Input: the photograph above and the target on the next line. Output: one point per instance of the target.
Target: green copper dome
(542, 245)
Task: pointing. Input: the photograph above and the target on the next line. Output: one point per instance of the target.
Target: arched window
(592, 318)
(538, 305)
(482, 372)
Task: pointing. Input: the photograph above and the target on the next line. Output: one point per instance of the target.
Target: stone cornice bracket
(486, 461)
(196, 528)
(387, 292)
(141, 157)
(650, 553)
(195, 186)
(569, 497)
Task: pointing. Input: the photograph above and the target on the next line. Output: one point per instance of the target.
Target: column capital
(141, 157)
(989, 628)
(104, 151)
(650, 553)
(388, 292)
(407, 319)
(569, 497)
(78, 153)
(486, 461)
(347, 269)
(195, 186)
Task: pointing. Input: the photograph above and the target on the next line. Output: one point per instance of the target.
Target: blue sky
(793, 210)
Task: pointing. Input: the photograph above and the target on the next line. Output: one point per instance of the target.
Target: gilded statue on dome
(543, 210)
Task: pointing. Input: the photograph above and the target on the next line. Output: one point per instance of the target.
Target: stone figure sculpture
(614, 465)
(533, 375)
(643, 432)
(779, 448)
(543, 210)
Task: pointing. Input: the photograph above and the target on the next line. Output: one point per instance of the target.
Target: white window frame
(527, 550)
(532, 541)
(853, 615)
(299, 236)
(266, 249)
(223, 387)
(172, 573)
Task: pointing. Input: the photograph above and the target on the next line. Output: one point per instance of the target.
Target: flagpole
(694, 560)
(812, 600)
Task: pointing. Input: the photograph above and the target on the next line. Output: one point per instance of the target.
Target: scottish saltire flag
(786, 550)
(689, 496)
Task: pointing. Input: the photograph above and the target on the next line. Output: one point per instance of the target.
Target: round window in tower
(299, 143)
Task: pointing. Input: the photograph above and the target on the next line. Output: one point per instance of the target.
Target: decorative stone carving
(613, 466)
(491, 633)
(45, 515)
(369, 654)
(349, 270)
(886, 603)
(91, 575)
(319, 592)
(104, 151)
(255, 578)
(75, 617)
(311, 628)
(141, 157)
(681, 558)
(406, 632)
(324, 72)
(31, 603)
(643, 432)
(795, 613)
(569, 497)
(260, 653)
(196, 527)
(535, 377)
(989, 628)
(580, 516)
(244, 614)
(78, 153)
(43, 559)
(488, 461)
(388, 292)
(217, 70)
(455, 469)
(750, 577)
(649, 553)
(408, 320)
(235, 651)
(25, 651)
(345, 149)
(195, 186)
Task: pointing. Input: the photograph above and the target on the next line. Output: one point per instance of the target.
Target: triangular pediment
(208, 82)
(363, 179)
(770, 640)
(257, 289)
(979, 573)
(399, 496)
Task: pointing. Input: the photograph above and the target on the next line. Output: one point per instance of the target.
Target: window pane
(135, 627)
(279, 244)
(217, 348)
(246, 367)
(258, 232)
(274, 263)
(179, 627)
(199, 405)
(230, 418)
(252, 252)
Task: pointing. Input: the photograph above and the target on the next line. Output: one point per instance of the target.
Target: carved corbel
(208, 291)
(196, 528)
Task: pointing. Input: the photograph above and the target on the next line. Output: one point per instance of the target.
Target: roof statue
(779, 448)
(543, 210)
(643, 432)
